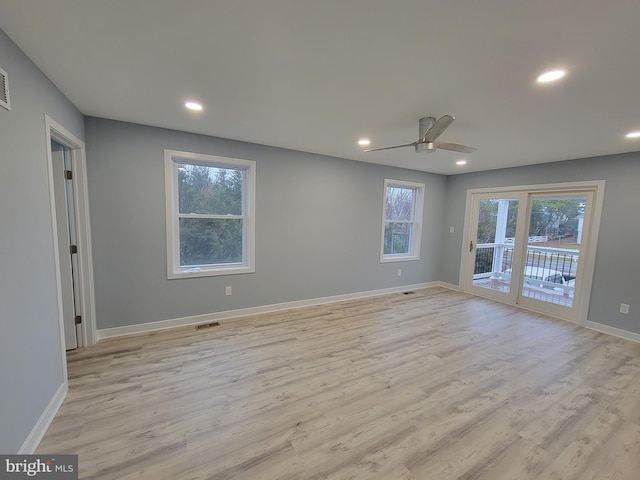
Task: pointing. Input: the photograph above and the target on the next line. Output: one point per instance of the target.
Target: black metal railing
(564, 261)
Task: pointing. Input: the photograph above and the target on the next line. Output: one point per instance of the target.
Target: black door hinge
(68, 175)
(78, 319)
(73, 249)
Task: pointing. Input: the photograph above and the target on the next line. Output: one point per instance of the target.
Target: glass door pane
(553, 248)
(492, 245)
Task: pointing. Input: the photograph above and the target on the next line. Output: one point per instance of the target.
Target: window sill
(398, 258)
(195, 272)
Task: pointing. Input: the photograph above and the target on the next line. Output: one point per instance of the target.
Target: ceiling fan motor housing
(427, 147)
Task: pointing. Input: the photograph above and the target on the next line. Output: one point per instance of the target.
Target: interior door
(65, 220)
(493, 248)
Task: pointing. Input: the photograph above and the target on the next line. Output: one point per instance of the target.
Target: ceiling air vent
(4, 90)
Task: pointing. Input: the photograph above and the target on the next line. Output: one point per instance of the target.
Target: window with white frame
(210, 214)
(401, 220)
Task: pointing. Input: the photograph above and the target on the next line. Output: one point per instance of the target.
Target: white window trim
(174, 270)
(416, 231)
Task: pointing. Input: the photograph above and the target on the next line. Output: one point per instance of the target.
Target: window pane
(209, 190)
(400, 203)
(210, 241)
(397, 238)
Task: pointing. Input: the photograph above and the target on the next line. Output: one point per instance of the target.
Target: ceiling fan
(428, 130)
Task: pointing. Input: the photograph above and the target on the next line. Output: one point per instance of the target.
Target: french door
(533, 247)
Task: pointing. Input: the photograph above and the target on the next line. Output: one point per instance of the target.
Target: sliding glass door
(529, 248)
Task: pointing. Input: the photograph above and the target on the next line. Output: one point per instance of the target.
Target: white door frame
(86, 308)
(587, 260)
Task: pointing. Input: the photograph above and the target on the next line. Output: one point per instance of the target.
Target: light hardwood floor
(431, 385)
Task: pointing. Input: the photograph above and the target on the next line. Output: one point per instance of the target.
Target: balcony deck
(542, 294)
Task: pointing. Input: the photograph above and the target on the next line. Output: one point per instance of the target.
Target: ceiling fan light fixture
(425, 147)
(551, 76)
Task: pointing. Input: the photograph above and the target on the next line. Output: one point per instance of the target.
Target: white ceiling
(317, 75)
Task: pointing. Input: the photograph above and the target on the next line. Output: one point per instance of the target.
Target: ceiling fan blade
(389, 148)
(454, 147)
(436, 130)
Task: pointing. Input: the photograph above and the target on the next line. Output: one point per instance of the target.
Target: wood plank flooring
(431, 385)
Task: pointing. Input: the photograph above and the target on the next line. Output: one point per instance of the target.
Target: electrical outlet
(624, 308)
(399, 272)
(227, 290)
(451, 229)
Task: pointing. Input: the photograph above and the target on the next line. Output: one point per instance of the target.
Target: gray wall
(318, 225)
(617, 268)
(30, 351)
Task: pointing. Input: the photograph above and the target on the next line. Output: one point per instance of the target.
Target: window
(401, 221)
(210, 219)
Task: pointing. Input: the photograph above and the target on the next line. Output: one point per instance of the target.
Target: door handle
(471, 246)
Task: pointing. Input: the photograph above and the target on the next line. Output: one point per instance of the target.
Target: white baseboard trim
(450, 286)
(33, 440)
(244, 312)
(617, 332)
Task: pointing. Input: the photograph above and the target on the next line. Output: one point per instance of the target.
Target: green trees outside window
(205, 193)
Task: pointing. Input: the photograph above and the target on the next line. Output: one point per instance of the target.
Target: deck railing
(493, 264)
(492, 259)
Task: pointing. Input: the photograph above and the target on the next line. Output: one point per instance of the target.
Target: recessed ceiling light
(461, 162)
(551, 76)
(633, 135)
(364, 142)
(193, 106)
